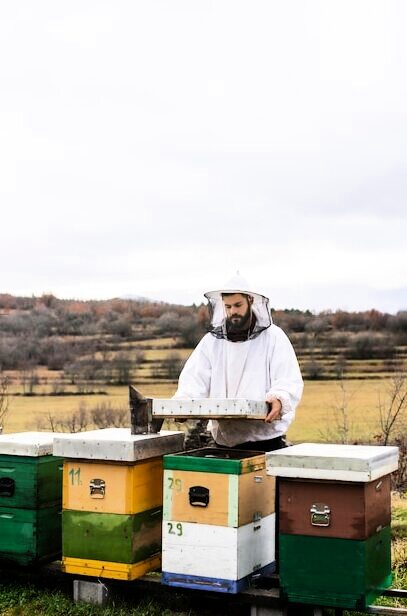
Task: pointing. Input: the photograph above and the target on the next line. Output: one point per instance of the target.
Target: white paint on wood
(210, 407)
(218, 551)
(118, 444)
(336, 462)
(33, 444)
(233, 500)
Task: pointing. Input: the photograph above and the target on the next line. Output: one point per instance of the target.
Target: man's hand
(274, 413)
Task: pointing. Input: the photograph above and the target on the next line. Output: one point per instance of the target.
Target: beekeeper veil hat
(217, 312)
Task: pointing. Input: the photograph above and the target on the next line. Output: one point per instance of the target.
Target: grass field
(315, 415)
(317, 411)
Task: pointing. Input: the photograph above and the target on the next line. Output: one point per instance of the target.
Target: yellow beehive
(105, 569)
(112, 487)
(219, 498)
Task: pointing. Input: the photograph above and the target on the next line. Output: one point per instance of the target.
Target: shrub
(370, 346)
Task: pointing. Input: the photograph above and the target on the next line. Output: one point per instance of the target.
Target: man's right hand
(274, 413)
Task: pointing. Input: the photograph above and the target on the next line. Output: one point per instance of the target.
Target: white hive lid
(336, 462)
(210, 407)
(27, 443)
(118, 444)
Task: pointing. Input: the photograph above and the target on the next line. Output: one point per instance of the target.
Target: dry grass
(160, 354)
(167, 343)
(29, 413)
(314, 415)
(316, 412)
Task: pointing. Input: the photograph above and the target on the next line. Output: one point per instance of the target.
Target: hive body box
(112, 496)
(335, 572)
(218, 519)
(112, 487)
(213, 490)
(356, 510)
(219, 558)
(334, 522)
(113, 537)
(30, 498)
(30, 536)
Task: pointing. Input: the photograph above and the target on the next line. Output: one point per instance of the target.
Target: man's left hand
(274, 413)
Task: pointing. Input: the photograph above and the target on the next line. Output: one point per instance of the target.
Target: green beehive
(335, 572)
(28, 536)
(334, 548)
(29, 481)
(113, 537)
(30, 498)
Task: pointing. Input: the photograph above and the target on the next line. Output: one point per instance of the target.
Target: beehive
(30, 498)
(334, 522)
(218, 519)
(112, 495)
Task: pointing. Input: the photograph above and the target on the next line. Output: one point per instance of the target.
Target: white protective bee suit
(262, 367)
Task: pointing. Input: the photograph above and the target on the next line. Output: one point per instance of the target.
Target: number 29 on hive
(174, 529)
(174, 484)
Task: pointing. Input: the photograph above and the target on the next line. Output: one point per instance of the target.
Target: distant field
(316, 412)
(315, 415)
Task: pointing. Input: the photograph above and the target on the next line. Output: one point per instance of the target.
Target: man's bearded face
(238, 312)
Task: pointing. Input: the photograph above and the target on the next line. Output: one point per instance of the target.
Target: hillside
(66, 365)
(84, 344)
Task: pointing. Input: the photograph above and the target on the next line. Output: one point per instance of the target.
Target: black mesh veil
(217, 313)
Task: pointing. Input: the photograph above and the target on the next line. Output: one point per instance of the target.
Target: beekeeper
(244, 356)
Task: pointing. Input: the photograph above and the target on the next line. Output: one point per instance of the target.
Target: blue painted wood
(215, 584)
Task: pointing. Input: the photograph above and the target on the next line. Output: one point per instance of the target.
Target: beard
(239, 323)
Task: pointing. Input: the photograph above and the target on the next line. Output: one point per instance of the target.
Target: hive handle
(198, 496)
(320, 514)
(7, 486)
(97, 488)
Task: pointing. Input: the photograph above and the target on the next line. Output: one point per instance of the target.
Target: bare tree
(57, 387)
(340, 427)
(393, 424)
(393, 409)
(105, 415)
(78, 421)
(29, 379)
(172, 366)
(122, 368)
(49, 422)
(4, 399)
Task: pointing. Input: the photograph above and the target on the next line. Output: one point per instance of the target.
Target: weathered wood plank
(210, 408)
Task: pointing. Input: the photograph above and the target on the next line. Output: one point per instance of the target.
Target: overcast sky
(154, 147)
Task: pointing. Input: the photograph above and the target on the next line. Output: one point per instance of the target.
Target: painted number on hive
(174, 529)
(174, 484)
(75, 476)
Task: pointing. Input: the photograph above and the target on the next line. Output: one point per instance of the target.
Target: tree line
(87, 337)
